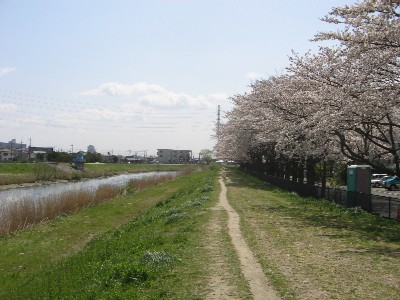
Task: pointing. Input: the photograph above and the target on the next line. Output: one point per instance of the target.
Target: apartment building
(171, 156)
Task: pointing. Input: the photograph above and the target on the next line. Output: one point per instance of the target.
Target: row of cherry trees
(339, 104)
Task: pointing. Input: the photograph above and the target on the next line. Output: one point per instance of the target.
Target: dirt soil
(222, 288)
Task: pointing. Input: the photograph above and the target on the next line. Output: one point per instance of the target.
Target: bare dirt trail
(260, 287)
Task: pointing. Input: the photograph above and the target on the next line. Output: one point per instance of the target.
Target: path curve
(260, 286)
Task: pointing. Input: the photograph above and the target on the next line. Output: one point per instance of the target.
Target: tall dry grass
(23, 213)
(143, 183)
(16, 179)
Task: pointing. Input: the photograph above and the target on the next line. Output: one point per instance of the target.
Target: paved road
(381, 192)
(385, 192)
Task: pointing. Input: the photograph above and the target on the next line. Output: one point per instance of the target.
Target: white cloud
(154, 95)
(221, 97)
(4, 71)
(4, 107)
(253, 75)
(118, 89)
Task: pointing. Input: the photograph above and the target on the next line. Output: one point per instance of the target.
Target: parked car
(392, 183)
(381, 182)
(384, 179)
(376, 179)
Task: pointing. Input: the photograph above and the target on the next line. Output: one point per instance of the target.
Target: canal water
(50, 190)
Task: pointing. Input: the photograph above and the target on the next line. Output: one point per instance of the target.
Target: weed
(76, 176)
(158, 259)
(128, 273)
(207, 189)
(175, 217)
(199, 201)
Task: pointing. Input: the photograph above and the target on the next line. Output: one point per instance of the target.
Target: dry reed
(16, 179)
(143, 183)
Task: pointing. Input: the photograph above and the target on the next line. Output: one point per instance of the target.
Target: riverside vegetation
(125, 248)
(153, 244)
(20, 173)
(23, 213)
(20, 214)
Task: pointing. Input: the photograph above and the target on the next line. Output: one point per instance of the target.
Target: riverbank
(20, 208)
(32, 184)
(15, 175)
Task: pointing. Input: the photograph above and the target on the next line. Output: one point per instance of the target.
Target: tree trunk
(396, 162)
(323, 178)
(300, 172)
(310, 167)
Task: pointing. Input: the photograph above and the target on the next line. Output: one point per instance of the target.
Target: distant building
(12, 150)
(12, 145)
(35, 152)
(171, 156)
(5, 155)
(91, 149)
(134, 159)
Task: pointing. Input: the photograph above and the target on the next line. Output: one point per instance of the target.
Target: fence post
(370, 203)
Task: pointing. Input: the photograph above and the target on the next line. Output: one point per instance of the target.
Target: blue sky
(126, 76)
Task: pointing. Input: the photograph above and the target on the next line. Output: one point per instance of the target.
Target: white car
(378, 179)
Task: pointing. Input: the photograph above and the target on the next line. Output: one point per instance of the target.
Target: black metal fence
(388, 207)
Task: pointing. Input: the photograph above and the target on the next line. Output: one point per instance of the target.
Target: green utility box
(358, 181)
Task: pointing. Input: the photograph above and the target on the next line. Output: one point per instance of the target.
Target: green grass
(314, 248)
(153, 245)
(145, 246)
(29, 168)
(133, 168)
(17, 168)
(19, 173)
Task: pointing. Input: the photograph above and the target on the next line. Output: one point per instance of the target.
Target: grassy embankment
(144, 245)
(152, 245)
(19, 173)
(314, 249)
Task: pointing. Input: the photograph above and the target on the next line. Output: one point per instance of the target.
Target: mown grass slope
(314, 249)
(142, 246)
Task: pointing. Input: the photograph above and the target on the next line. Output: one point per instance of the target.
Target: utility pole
(218, 120)
(21, 152)
(72, 149)
(29, 150)
(11, 153)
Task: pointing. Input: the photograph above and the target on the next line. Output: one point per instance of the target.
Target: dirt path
(260, 286)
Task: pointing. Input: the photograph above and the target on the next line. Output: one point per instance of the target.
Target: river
(50, 190)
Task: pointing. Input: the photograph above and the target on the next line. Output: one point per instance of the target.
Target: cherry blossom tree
(341, 103)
